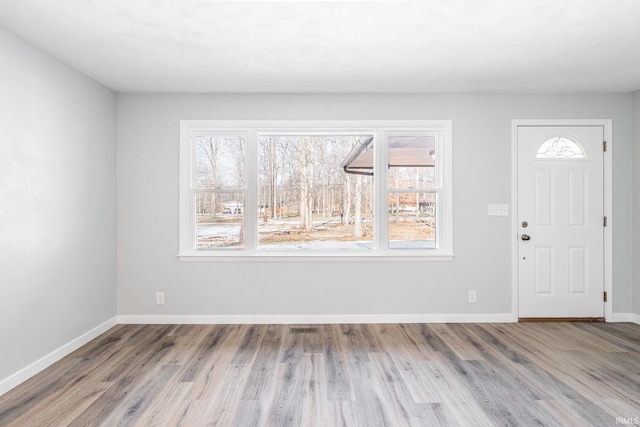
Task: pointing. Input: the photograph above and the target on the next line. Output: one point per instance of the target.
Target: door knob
(525, 237)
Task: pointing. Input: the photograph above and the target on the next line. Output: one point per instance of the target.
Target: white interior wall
(636, 203)
(57, 205)
(148, 142)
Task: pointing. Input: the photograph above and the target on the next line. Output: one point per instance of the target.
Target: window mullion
(221, 191)
(381, 203)
(188, 151)
(251, 192)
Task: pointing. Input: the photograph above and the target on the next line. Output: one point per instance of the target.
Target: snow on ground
(224, 235)
(217, 235)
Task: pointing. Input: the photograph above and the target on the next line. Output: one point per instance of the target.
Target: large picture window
(315, 188)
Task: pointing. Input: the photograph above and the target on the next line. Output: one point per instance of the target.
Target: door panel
(544, 186)
(543, 273)
(578, 197)
(560, 197)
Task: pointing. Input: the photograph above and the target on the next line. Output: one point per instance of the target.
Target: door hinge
(604, 223)
(604, 145)
(605, 296)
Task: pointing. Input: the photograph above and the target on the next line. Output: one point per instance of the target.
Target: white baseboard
(318, 319)
(624, 317)
(48, 360)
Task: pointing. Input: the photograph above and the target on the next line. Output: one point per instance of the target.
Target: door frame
(608, 203)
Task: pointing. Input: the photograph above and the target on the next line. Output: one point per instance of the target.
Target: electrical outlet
(159, 298)
(472, 297)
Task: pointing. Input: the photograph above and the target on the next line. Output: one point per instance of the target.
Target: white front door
(560, 221)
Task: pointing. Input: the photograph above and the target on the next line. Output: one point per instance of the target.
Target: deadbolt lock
(525, 224)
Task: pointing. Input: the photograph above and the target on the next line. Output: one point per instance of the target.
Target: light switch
(498, 210)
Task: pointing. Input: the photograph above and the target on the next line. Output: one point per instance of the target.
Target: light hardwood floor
(549, 374)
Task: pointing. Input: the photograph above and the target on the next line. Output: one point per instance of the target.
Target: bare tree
(395, 178)
(310, 182)
(237, 149)
(268, 170)
(236, 146)
(283, 153)
(302, 183)
(357, 215)
(304, 172)
(346, 199)
(210, 146)
(325, 177)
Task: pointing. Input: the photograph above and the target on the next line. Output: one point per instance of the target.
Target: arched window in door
(560, 147)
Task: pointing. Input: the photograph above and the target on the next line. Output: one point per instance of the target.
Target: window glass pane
(307, 200)
(220, 220)
(411, 162)
(220, 162)
(560, 148)
(412, 220)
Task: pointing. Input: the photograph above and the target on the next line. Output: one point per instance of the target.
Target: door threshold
(561, 319)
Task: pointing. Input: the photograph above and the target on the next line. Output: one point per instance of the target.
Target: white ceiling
(340, 46)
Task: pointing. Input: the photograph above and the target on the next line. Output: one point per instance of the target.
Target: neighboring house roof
(403, 151)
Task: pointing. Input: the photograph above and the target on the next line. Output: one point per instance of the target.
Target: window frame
(381, 129)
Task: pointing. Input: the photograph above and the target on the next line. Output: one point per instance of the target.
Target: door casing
(608, 203)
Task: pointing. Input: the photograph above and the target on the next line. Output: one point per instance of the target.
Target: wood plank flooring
(522, 374)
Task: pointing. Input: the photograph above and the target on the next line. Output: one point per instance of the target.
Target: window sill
(313, 257)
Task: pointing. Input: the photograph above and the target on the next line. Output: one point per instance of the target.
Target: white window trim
(443, 252)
